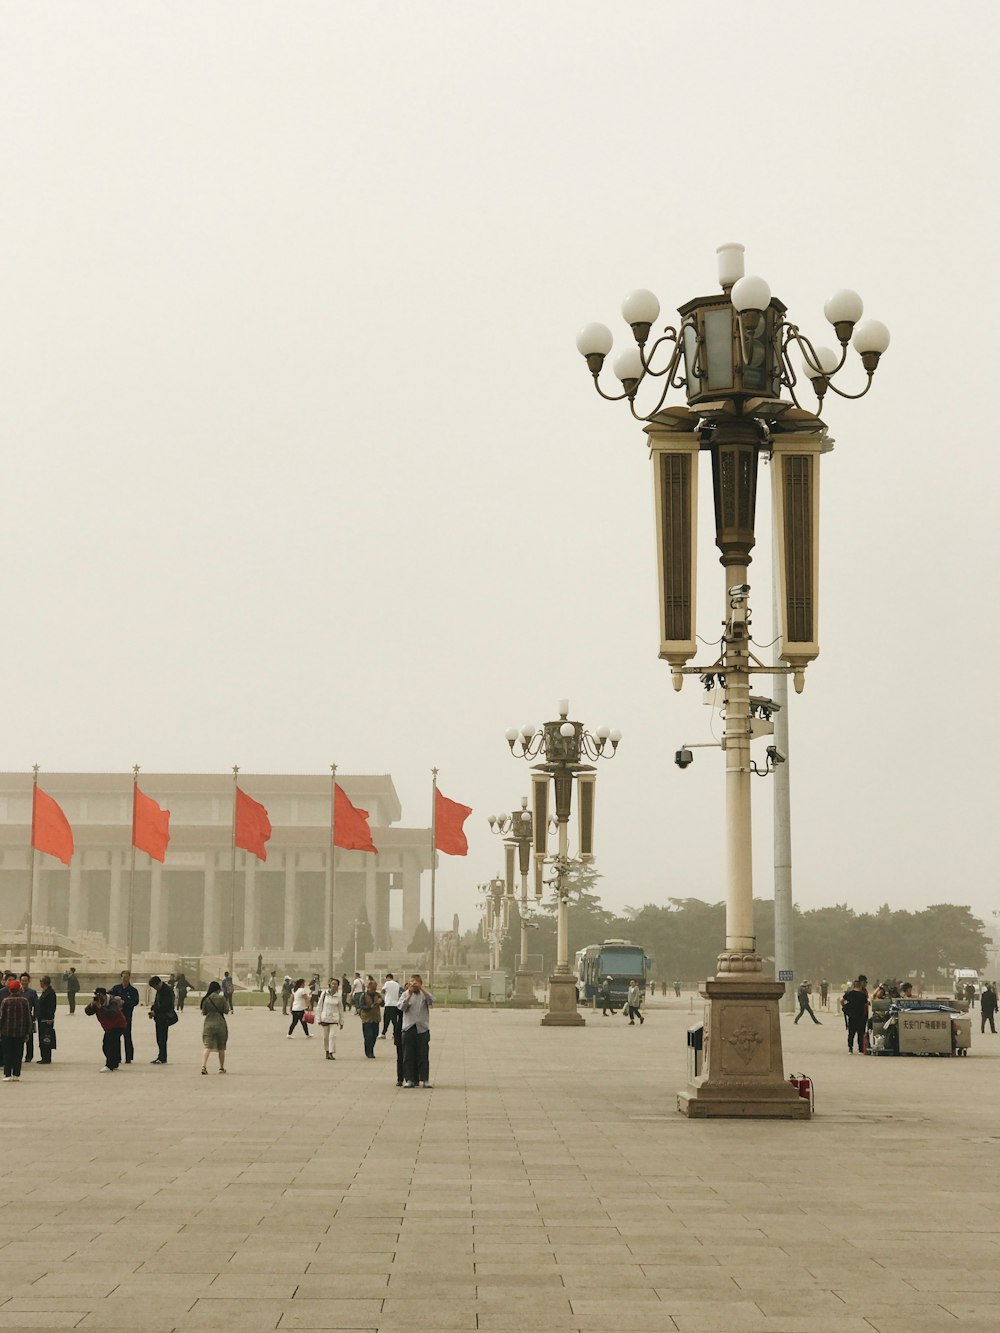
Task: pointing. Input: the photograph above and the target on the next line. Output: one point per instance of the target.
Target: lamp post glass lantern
(745, 396)
(563, 748)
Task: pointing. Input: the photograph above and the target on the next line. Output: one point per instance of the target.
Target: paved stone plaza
(545, 1182)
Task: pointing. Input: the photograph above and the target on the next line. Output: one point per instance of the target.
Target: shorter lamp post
(564, 746)
(517, 831)
(496, 917)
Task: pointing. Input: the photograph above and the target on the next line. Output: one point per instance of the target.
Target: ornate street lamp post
(517, 831)
(731, 354)
(565, 746)
(497, 899)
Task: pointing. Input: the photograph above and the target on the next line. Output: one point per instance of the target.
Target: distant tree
(421, 941)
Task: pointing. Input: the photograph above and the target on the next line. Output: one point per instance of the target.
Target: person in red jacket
(109, 1013)
(15, 1025)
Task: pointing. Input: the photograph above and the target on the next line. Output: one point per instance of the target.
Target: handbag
(171, 1018)
(47, 1036)
(309, 1016)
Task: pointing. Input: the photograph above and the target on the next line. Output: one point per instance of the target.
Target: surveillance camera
(740, 591)
(760, 703)
(775, 755)
(683, 757)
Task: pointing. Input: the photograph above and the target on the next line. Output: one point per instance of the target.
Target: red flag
(150, 825)
(350, 825)
(50, 830)
(449, 816)
(253, 828)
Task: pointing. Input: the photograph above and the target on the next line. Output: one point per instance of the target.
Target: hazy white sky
(301, 464)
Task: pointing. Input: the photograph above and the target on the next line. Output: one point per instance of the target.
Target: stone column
(291, 904)
(210, 926)
(251, 908)
(117, 925)
(157, 910)
(77, 900)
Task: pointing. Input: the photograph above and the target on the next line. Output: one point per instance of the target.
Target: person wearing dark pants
(15, 1024)
(606, 1001)
(45, 1012)
(108, 1011)
(129, 997)
(855, 1006)
(72, 988)
(415, 1004)
(391, 1017)
(31, 995)
(802, 995)
(633, 1004)
(164, 1015)
(369, 1007)
(988, 1008)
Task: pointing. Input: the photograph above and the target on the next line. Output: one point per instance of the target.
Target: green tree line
(684, 936)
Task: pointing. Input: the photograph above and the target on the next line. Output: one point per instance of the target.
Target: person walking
(228, 986)
(415, 1004)
(272, 991)
(988, 1008)
(286, 994)
(31, 995)
(45, 1014)
(300, 1003)
(72, 988)
(163, 1012)
(855, 1006)
(215, 1029)
(330, 1016)
(802, 995)
(108, 1011)
(391, 991)
(633, 1002)
(606, 1002)
(15, 1024)
(357, 990)
(368, 1011)
(129, 997)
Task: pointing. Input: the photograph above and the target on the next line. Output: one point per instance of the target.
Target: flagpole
(331, 874)
(434, 788)
(31, 873)
(232, 880)
(131, 874)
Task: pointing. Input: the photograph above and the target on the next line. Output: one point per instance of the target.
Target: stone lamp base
(743, 1074)
(562, 1011)
(523, 996)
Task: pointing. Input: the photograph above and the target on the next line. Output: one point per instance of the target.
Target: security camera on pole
(731, 353)
(565, 745)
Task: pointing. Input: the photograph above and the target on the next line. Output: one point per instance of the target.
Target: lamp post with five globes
(565, 746)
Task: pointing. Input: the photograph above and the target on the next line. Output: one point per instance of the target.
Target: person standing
(215, 1029)
(357, 990)
(391, 991)
(300, 1003)
(272, 991)
(286, 993)
(802, 995)
(183, 986)
(45, 1013)
(824, 994)
(368, 1011)
(416, 1005)
(988, 1008)
(855, 1006)
(633, 1003)
(31, 995)
(606, 1002)
(677, 989)
(228, 986)
(72, 988)
(330, 1016)
(15, 1024)
(108, 1011)
(164, 1015)
(129, 997)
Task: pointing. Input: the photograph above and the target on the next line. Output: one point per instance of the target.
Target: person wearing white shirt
(330, 1016)
(300, 1003)
(357, 990)
(391, 991)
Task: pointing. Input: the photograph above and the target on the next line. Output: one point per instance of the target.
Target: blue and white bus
(621, 960)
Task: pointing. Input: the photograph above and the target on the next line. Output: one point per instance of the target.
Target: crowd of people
(403, 1010)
